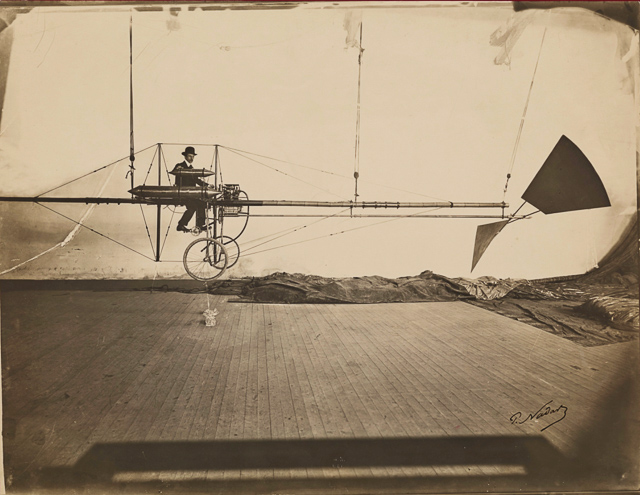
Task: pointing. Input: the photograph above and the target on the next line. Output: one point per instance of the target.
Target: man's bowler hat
(189, 150)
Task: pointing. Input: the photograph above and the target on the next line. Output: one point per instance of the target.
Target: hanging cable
(132, 155)
(356, 168)
(524, 114)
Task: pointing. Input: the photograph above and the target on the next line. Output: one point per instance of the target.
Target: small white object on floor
(210, 317)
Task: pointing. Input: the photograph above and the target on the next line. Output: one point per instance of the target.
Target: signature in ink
(545, 410)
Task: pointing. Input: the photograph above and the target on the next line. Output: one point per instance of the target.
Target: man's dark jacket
(186, 181)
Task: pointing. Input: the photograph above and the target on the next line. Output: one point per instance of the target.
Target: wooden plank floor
(84, 369)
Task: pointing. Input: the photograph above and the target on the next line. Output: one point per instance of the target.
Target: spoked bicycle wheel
(205, 259)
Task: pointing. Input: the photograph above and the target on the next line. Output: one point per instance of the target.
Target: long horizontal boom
(214, 197)
(387, 215)
(255, 202)
(358, 204)
(36, 199)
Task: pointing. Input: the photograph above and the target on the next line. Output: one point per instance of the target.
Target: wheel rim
(233, 250)
(205, 259)
(237, 223)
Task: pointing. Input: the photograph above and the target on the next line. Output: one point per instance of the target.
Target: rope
(146, 226)
(173, 212)
(273, 234)
(216, 157)
(292, 230)
(337, 233)
(150, 167)
(332, 173)
(89, 173)
(70, 236)
(164, 162)
(528, 215)
(524, 114)
(192, 144)
(519, 208)
(356, 169)
(95, 231)
(155, 275)
(286, 174)
(284, 161)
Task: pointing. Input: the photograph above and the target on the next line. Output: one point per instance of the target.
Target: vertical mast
(131, 146)
(356, 168)
(159, 207)
(215, 161)
(216, 213)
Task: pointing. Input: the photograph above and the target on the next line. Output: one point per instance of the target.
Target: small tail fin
(484, 235)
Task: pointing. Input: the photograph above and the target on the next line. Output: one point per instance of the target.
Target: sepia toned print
(369, 247)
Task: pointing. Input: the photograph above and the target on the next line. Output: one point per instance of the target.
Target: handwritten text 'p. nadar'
(546, 410)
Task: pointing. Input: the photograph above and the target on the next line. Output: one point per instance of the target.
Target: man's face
(189, 157)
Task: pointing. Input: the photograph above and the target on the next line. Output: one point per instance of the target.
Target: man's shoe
(182, 228)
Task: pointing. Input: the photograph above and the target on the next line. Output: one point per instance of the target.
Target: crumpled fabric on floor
(586, 313)
(621, 312)
(561, 317)
(283, 287)
(297, 288)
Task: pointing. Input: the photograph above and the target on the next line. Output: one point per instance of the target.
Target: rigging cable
(284, 173)
(284, 161)
(519, 208)
(329, 173)
(70, 236)
(340, 232)
(173, 210)
(89, 173)
(164, 162)
(96, 232)
(146, 226)
(289, 231)
(524, 114)
(150, 167)
(528, 215)
(218, 165)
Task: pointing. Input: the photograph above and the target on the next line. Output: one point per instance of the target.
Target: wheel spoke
(205, 259)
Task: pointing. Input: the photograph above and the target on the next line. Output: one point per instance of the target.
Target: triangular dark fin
(566, 182)
(484, 235)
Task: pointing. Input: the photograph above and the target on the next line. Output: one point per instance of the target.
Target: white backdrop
(440, 112)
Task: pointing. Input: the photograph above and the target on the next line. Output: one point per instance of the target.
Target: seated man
(197, 207)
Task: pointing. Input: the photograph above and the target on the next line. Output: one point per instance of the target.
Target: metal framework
(566, 182)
